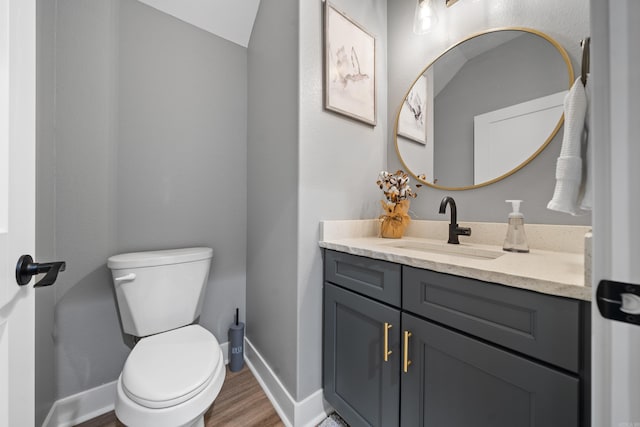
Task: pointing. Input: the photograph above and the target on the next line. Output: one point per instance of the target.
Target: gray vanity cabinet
(361, 325)
(460, 352)
(457, 381)
(358, 382)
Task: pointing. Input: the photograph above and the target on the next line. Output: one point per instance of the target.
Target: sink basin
(462, 251)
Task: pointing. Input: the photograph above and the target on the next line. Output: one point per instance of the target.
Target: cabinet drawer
(371, 277)
(542, 326)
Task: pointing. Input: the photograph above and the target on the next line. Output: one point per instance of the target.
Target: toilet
(176, 369)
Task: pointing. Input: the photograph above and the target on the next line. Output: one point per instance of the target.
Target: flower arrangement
(395, 186)
(397, 191)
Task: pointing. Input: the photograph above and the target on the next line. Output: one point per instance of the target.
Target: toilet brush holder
(236, 345)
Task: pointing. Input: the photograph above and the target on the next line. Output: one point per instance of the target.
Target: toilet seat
(170, 368)
(185, 414)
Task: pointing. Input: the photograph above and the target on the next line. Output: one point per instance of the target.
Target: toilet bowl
(170, 379)
(176, 370)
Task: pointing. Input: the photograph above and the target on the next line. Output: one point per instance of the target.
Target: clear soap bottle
(516, 239)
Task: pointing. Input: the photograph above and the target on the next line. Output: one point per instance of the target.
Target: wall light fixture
(425, 17)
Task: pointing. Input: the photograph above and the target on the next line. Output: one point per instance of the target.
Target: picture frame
(350, 67)
(412, 122)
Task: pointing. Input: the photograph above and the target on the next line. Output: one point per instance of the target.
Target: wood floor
(241, 402)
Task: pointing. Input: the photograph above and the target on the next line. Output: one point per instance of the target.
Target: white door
(494, 150)
(615, 80)
(17, 209)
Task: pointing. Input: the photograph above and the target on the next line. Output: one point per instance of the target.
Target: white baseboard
(270, 383)
(312, 410)
(306, 413)
(225, 351)
(88, 404)
(81, 407)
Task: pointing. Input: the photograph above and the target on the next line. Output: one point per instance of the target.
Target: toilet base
(186, 414)
(197, 423)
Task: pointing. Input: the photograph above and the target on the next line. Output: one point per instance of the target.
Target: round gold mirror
(483, 109)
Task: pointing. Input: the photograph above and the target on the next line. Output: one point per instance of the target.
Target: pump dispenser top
(516, 239)
(515, 205)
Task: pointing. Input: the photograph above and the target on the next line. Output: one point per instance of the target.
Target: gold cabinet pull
(407, 362)
(387, 352)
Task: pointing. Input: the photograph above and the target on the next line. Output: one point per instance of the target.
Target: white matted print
(412, 123)
(350, 80)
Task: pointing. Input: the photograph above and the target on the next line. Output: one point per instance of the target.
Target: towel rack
(585, 43)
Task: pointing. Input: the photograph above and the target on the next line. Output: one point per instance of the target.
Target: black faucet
(454, 230)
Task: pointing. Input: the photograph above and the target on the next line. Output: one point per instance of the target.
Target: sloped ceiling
(230, 19)
(447, 66)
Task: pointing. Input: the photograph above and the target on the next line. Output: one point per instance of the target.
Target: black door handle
(618, 301)
(26, 268)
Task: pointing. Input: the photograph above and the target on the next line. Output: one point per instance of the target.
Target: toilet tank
(159, 290)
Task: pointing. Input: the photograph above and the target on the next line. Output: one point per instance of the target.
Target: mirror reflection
(484, 108)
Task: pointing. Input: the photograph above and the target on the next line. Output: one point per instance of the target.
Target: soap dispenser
(516, 240)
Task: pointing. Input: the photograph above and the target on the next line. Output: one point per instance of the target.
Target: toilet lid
(169, 368)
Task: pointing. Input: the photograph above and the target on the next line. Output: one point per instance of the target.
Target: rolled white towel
(568, 177)
(586, 201)
(569, 165)
(569, 168)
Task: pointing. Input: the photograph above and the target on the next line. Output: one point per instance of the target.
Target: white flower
(395, 186)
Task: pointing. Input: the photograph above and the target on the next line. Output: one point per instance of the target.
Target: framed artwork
(412, 123)
(350, 72)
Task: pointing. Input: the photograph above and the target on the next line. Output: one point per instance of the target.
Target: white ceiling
(230, 19)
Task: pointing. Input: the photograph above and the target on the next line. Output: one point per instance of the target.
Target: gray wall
(324, 166)
(45, 387)
(150, 152)
(182, 151)
(567, 22)
(136, 90)
(339, 163)
(89, 346)
(272, 187)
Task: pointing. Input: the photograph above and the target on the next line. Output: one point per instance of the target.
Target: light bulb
(425, 17)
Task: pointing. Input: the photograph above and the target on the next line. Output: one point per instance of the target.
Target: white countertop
(552, 272)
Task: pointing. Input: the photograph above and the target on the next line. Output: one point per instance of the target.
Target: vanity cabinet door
(362, 387)
(457, 381)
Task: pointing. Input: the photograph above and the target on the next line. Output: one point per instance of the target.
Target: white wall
(566, 21)
(615, 88)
